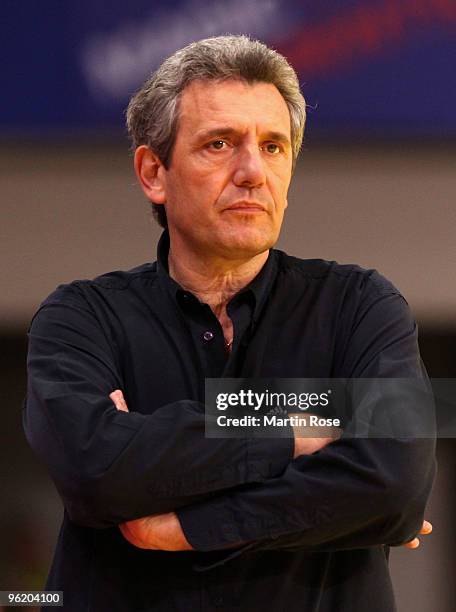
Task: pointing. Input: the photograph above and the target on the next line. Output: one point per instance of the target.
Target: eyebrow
(229, 131)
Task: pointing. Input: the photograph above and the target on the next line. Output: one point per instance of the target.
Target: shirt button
(207, 336)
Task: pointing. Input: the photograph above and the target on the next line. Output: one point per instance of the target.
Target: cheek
(183, 186)
(279, 190)
(207, 184)
(202, 175)
(193, 197)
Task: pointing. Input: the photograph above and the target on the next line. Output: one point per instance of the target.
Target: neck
(214, 282)
(213, 279)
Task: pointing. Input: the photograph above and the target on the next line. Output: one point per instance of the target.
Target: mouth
(246, 207)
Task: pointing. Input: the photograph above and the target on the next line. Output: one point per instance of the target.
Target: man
(157, 516)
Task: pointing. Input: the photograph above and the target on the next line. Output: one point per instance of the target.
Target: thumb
(118, 400)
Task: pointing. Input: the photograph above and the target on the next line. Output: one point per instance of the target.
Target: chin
(244, 239)
(248, 246)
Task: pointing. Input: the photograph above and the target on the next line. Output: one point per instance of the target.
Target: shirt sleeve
(356, 492)
(111, 466)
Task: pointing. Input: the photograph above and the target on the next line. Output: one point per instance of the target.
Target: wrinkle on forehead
(234, 103)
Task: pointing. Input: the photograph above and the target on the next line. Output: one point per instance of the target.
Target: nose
(250, 169)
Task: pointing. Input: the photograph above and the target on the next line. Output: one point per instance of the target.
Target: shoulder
(321, 272)
(81, 292)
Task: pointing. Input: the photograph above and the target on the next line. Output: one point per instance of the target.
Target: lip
(246, 207)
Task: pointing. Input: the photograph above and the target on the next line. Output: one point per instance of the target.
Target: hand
(156, 532)
(303, 446)
(164, 532)
(308, 445)
(118, 400)
(425, 530)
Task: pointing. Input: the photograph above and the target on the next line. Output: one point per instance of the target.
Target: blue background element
(403, 87)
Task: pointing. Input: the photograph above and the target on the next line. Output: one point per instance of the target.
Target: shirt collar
(258, 288)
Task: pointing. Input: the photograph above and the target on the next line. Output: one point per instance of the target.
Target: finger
(426, 528)
(116, 397)
(413, 543)
(123, 403)
(118, 400)
(131, 534)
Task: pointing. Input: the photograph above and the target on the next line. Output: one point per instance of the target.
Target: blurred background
(375, 185)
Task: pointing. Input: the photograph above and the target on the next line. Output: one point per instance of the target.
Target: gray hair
(153, 111)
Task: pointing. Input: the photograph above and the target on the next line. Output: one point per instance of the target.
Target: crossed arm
(164, 531)
(111, 467)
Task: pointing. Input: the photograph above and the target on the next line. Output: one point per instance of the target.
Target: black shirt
(309, 534)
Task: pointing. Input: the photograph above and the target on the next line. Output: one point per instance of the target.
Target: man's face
(227, 183)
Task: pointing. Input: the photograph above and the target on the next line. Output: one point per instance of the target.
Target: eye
(272, 147)
(218, 145)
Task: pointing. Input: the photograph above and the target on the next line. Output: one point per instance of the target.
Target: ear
(151, 174)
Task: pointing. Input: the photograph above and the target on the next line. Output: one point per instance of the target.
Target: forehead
(206, 104)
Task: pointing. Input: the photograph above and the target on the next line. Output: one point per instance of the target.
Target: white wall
(77, 212)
